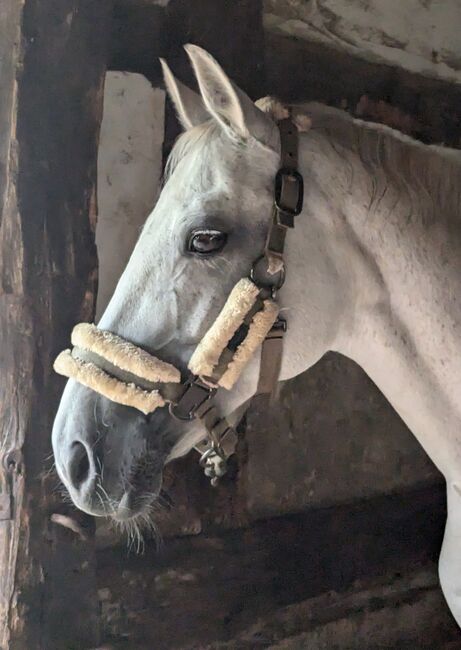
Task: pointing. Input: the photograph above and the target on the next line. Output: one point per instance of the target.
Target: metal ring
(279, 278)
(212, 451)
(181, 418)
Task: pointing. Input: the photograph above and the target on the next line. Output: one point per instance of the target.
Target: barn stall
(328, 527)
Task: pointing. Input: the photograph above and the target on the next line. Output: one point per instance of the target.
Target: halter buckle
(195, 395)
(289, 196)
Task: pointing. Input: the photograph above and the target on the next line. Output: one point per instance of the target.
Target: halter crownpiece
(128, 375)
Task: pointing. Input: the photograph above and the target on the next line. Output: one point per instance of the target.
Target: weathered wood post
(52, 64)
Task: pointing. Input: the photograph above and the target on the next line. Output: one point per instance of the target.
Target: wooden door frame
(52, 63)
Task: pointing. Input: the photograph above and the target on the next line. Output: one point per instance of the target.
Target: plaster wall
(421, 36)
(129, 171)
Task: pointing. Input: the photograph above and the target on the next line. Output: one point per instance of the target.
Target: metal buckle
(288, 205)
(195, 394)
(278, 328)
(262, 278)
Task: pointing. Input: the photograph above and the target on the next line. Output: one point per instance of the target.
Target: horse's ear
(189, 106)
(233, 109)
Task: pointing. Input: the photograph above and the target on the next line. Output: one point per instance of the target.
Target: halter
(129, 375)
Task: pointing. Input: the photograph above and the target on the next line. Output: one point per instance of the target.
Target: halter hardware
(196, 394)
(289, 196)
(116, 368)
(261, 276)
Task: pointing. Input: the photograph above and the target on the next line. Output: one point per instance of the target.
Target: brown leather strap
(288, 197)
(288, 144)
(271, 359)
(222, 438)
(287, 204)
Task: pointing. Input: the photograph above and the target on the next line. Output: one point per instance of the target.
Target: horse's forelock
(192, 140)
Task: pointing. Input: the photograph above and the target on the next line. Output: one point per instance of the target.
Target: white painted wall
(423, 36)
(129, 171)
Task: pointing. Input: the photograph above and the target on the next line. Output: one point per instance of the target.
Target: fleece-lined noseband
(128, 375)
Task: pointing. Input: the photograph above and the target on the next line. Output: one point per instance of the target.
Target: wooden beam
(300, 70)
(52, 65)
(307, 570)
(142, 31)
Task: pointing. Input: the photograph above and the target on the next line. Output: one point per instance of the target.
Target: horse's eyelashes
(206, 241)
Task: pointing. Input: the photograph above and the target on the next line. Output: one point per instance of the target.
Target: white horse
(374, 272)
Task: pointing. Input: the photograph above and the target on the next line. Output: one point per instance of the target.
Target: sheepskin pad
(139, 363)
(90, 375)
(259, 329)
(123, 354)
(208, 352)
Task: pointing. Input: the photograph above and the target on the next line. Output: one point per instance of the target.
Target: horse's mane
(430, 175)
(418, 169)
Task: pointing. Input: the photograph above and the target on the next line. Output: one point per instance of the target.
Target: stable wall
(420, 36)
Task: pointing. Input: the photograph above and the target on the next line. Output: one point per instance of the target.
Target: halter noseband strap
(127, 374)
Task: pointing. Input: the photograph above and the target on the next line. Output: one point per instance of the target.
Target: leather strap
(194, 398)
(271, 359)
(289, 144)
(288, 202)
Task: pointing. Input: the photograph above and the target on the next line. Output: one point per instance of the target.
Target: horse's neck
(399, 209)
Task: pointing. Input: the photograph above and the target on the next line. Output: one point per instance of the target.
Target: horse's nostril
(79, 465)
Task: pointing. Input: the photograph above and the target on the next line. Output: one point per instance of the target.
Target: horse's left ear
(229, 105)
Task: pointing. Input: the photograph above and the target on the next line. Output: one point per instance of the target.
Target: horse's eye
(205, 242)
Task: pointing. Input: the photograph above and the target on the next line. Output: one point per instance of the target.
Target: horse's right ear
(189, 106)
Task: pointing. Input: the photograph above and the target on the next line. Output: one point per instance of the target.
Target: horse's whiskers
(101, 501)
(109, 501)
(139, 525)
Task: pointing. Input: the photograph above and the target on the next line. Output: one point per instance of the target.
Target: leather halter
(268, 273)
(193, 398)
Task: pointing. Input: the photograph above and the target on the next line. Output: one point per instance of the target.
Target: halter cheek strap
(288, 203)
(129, 375)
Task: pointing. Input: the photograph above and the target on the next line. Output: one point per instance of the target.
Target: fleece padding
(208, 352)
(259, 328)
(124, 354)
(90, 375)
